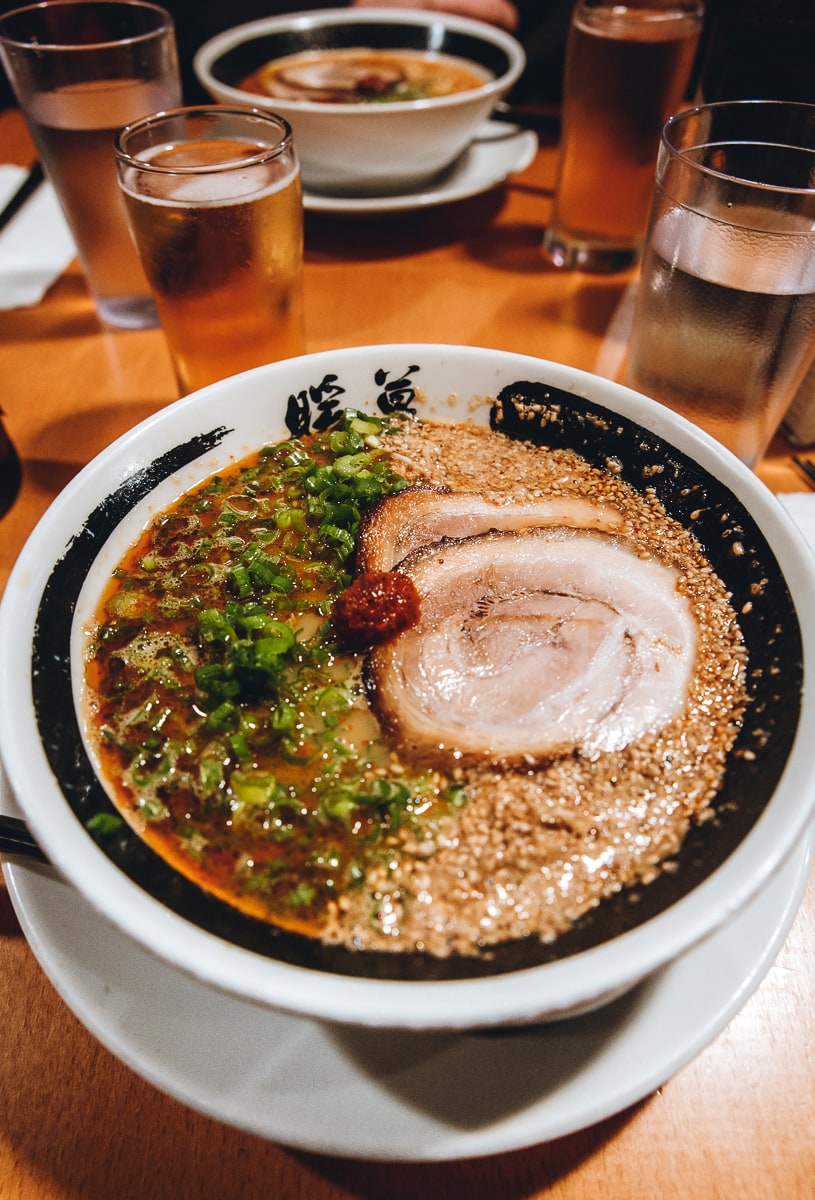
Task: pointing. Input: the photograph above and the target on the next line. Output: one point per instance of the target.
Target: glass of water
(724, 323)
(81, 69)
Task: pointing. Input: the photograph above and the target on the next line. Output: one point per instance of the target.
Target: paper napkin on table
(801, 507)
(36, 245)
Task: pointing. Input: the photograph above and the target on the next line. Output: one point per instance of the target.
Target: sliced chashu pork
(421, 515)
(532, 645)
(338, 81)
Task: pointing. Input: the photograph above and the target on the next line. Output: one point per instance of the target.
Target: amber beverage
(627, 69)
(215, 208)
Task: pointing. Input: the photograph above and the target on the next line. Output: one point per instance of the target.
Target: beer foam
(639, 25)
(211, 188)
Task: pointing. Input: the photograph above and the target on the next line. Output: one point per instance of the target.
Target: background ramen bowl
(765, 802)
(367, 148)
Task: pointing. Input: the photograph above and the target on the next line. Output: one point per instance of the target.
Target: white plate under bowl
(56, 581)
(497, 152)
(385, 1094)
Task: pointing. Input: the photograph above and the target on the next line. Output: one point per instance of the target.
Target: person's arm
(496, 12)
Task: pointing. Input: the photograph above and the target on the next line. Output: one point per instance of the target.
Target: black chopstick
(15, 839)
(27, 188)
(806, 466)
(541, 118)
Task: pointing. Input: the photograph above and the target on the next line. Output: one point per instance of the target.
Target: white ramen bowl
(766, 798)
(367, 148)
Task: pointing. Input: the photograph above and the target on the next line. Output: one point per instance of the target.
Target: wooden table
(738, 1121)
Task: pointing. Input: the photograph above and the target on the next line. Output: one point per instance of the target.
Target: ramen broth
(361, 76)
(237, 730)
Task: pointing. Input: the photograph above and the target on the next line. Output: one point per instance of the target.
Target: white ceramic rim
(550, 990)
(217, 46)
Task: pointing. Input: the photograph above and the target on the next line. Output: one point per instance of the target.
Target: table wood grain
(737, 1123)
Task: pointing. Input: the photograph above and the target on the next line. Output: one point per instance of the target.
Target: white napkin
(36, 245)
(801, 507)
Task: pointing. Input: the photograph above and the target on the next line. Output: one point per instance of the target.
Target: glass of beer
(80, 71)
(215, 208)
(627, 69)
(724, 322)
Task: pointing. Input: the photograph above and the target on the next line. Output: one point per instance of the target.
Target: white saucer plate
(391, 1095)
(498, 151)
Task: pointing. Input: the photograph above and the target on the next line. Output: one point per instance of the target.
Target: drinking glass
(627, 68)
(724, 322)
(80, 71)
(215, 207)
